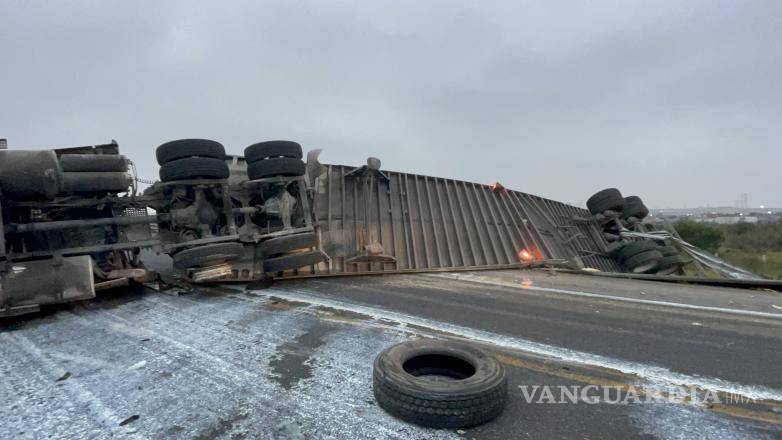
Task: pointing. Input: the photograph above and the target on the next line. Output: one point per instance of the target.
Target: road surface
(295, 361)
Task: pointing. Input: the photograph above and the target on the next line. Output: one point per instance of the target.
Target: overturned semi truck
(74, 222)
(67, 230)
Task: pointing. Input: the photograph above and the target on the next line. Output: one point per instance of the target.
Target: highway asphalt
(294, 361)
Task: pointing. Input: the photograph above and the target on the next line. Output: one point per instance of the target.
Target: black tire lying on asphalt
(634, 207)
(606, 200)
(182, 148)
(472, 388)
(270, 149)
(207, 255)
(292, 261)
(643, 262)
(279, 166)
(631, 249)
(288, 243)
(194, 168)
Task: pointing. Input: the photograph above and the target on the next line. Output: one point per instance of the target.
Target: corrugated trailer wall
(424, 223)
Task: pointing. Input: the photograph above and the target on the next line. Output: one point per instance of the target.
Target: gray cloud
(679, 103)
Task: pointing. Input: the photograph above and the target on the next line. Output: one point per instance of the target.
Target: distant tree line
(751, 237)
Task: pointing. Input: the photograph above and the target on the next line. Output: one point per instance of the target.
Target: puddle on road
(293, 361)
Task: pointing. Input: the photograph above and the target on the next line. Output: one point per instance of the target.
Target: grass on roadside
(753, 261)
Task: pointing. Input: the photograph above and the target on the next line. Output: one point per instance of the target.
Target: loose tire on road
(194, 168)
(182, 148)
(279, 166)
(207, 255)
(271, 149)
(292, 261)
(440, 384)
(643, 262)
(606, 200)
(288, 243)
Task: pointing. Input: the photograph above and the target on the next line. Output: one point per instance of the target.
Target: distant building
(720, 215)
(730, 220)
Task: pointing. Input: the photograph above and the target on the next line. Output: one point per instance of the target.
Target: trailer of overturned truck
(74, 222)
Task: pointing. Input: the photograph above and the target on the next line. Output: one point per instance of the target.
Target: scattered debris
(137, 365)
(130, 419)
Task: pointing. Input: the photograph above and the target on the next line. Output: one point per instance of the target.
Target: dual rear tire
(290, 252)
(606, 200)
(207, 255)
(274, 158)
(649, 257)
(611, 199)
(191, 159)
(639, 256)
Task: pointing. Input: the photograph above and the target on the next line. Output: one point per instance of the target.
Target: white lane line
(473, 279)
(651, 373)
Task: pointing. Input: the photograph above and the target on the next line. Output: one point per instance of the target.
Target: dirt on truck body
(74, 222)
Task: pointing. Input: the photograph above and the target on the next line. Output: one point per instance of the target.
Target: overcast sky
(678, 102)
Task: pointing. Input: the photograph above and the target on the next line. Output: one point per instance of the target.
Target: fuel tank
(29, 174)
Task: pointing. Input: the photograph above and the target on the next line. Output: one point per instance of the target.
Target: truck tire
(606, 200)
(194, 168)
(207, 255)
(472, 389)
(269, 149)
(643, 262)
(668, 251)
(634, 207)
(631, 249)
(288, 243)
(183, 148)
(292, 261)
(670, 264)
(279, 166)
